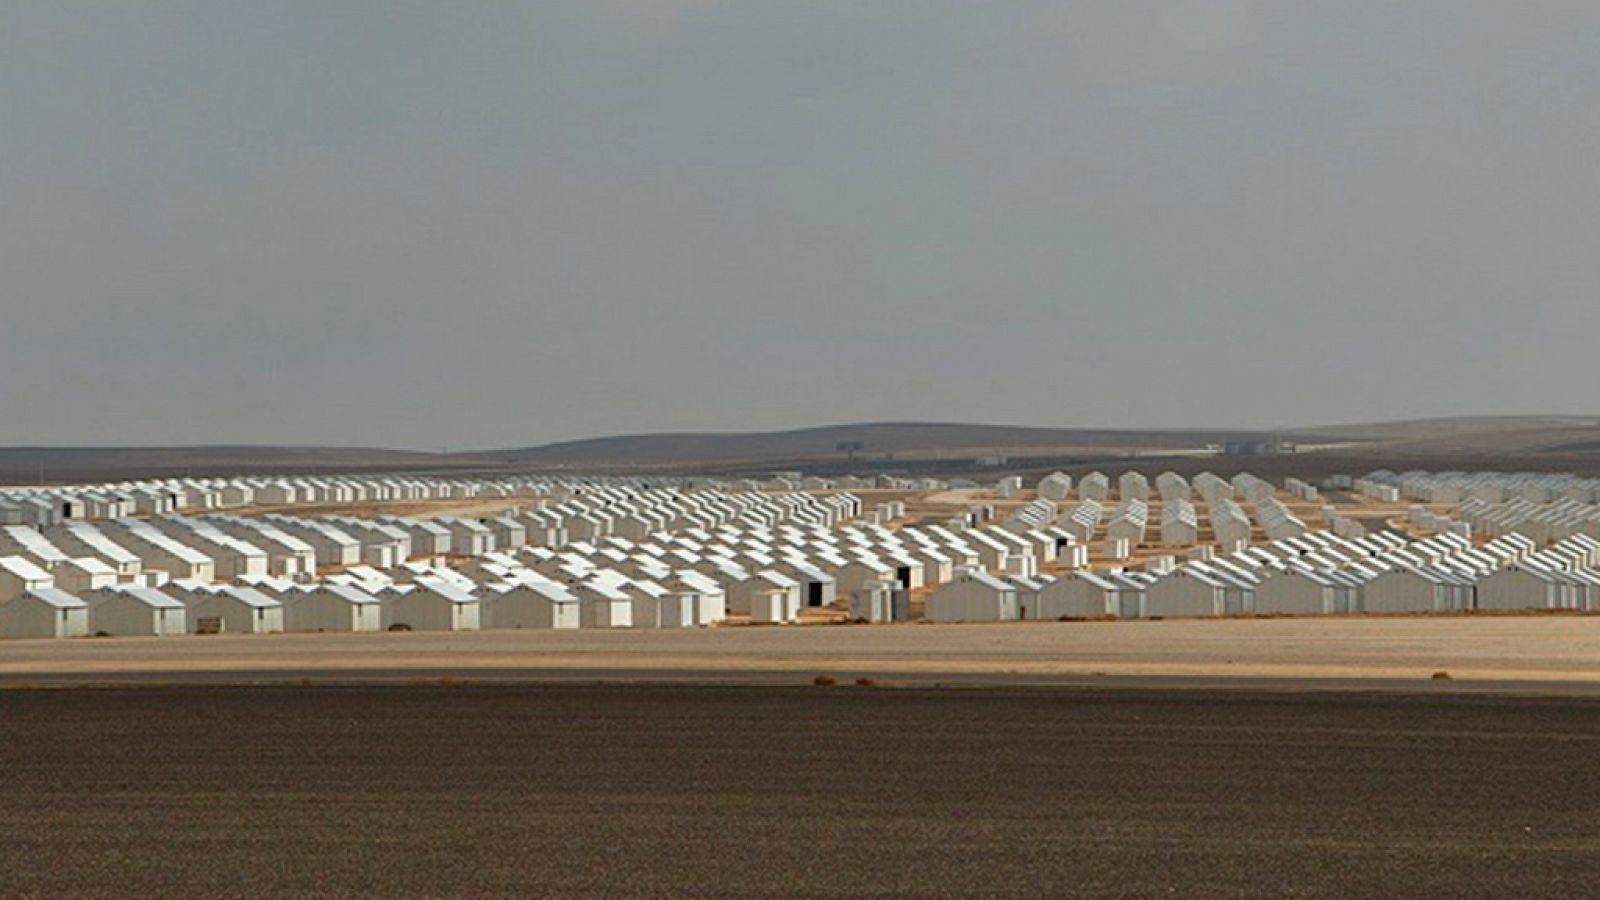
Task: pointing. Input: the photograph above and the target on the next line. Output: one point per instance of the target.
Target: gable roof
(56, 597)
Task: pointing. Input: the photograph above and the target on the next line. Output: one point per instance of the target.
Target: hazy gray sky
(494, 224)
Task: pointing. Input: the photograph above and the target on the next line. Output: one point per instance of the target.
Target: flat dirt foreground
(1533, 649)
(578, 791)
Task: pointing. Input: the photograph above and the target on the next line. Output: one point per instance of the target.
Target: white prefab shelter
(992, 553)
(937, 566)
(231, 556)
(83, 539)
(817, 588)
(429, 604)
(334, 548)
(603, 606)
(19, 575)
(1056, 486)
(131, 609)
(83, 574)
(30, 543)
(531, 605)
(1580, 589)
(656, 607)
(509, 534)
(1518, 587)
(711, 599)
(973, 596)
(331, 606)
(766, 603)
(742, 595)
(427, 538)
(1028, 590)
(44, 612)
(235, 610)
(1186, 592)
(158, 551)
(880, 601)
(851, 577)
(1079, 595)
(469, 538)
(1297, 593)
(1406, 590)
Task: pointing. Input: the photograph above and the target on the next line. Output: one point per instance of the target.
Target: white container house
(44, 612)
(429, 604)
(973, 596)
(134, 609)
(233, 609)
(331, 606)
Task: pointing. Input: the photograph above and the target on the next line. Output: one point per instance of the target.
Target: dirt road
(1537, 648)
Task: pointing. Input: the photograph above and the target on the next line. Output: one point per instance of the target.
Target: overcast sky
(474, 225)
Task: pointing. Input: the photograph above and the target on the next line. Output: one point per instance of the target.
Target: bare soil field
(1531, 649)
(296, 793)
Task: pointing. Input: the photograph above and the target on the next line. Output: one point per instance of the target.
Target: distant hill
(1543, 442)
(1510, 444)
(28, 465)
(1416, 442)
(873, 439)
(1420, 429)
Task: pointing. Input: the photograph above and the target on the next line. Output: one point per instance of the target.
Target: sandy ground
(1498, 648)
